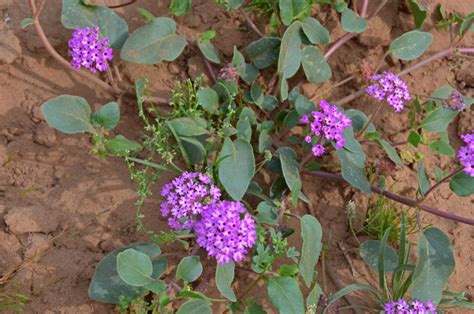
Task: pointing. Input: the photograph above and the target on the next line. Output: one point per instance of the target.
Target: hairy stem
(44, 39)
(398, 198)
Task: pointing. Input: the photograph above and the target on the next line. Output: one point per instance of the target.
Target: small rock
(38, 244)
(31, 219)
(44, 135)
(465, 74)
(378, 33)
(9, 251)
(194, 21)
(10, 47)
(196, 67)
(174, 68)
(36, 114)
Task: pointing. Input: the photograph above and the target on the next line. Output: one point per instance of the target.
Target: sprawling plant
(217, 139)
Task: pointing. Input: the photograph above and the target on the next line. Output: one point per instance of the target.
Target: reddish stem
(122, 5)
(398, 198)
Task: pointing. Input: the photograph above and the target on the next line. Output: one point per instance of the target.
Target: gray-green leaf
(209, 51)
(224, 278)
(411, 45)
(438, 119)
(189, 269)
(352, 23)
(264, 52)
(290, 56)
(68, 114)
(120, 146)
(434, 266)
(369, 251)
(423, 178)
(134, 267)
(237, 170)
(462, 184)
(315, 66)
(209, 99)
(76, 15)
(418, 11)
(107, 116)
(312, 234)
(154, 42)
(196, 306)
(285, 295)
(289, 166)
(315, 32)
(391, 152)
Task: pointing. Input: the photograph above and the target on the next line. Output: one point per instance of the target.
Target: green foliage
(434, 267)
(68, 114)
(353, 23)
(418, 11)
(207, 48)
(189, 269)
(291, 10)
(153, 43)
(423, 178)
(107, 117)
(224, 278)
(180, 7)
(134, 267)
(12, 301)
(410, 45)
(462, 184)
(291, 54)
(195, 306)
(75, 14)
(369, 251)
(315, 32)
(312, 234)
(285, 295)
(315, 66)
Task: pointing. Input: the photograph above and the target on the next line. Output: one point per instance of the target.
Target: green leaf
(290, 56)
(290, 168)
(462, 184)
(315, 32)
(352, 158)
(209, 99)
(315, 66)
(312, 234)
(442, 147)
(269, 103)
(414, 138)
(314, 296)
(156, 286)
(291, 119)
(26, 22)
(438, 119)
(303, 105)
(189, 126)
(197, 306)
(293, 9)
(233, 4)
(285, 295)
(224, 278)
(209, 51)
(134, 267)
(358, 118)
(264, 52)
(369, 251)
(257, 94)
(180, 7)
(76, 15)
(266, 214)
(434, 266)
(237, 170)
(352, 23)
(68, 114)
(147, 16)
(244, 130)
(391, 152)
(107, 116)
(250, 114)
(120, 146)
(254, 308)
(208, 35)
(466, 23)
(423, 178)
(153, 43)
(411, 45)
(265, 141)
(106, 284)
(283, 88)
(189, 269)
(418, 11)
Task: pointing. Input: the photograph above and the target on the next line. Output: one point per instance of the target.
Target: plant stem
(445, 179)
(398, 198)
(250, 22)
(250, 287)
(122, 5)
(365, 4)
(342, 40)
(370, 119)
(44, 39)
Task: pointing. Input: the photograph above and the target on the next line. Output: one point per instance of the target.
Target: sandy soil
(62, 210)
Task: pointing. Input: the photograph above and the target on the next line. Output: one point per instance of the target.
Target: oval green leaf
(68, 114)
(209, 51)
(107, 117)
(411, 45)
(369, 251)
(290, 56)
(264, 52)
(315, 32)
(462, 184)
(209, 99)
(352, 23)
(315, 66)
(134, 267)
(189, 269)
(285, 295)
(197, 306)
(224, 278)
(312, 234)
(120, 146)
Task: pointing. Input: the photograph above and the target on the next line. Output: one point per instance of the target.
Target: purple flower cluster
(466, 153)
(222, 228)
(88, 51)
(391, 88)
(187, 197)
(228, 73)
(327, 124)
(414, 307)
(225, 233)
(455, 101)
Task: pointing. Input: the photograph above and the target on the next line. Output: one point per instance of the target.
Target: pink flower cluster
(414, 307)
(222, 228)
(327, 124)
(88, 51)
(391, 88)
(466, 153)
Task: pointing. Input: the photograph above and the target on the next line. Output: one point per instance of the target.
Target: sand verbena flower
(455, 101)
(414, 307)
(327, 124)
(390, 88)
(466, 153)
(87, 51)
